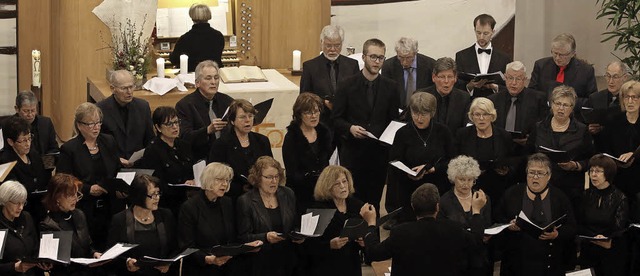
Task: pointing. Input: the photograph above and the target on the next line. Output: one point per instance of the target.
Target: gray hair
(203, 64)
(83, 110)
(516, 66)
(423, 102)
(12, 191)
(114, 75)
(215, 170)
(564, 39)
(463, 166)
(199, 13)
(485, 105)
(25, 97)
(332, 32)
(563, 91)
(541, 159)
(625, 68)
(406, 45)
(444, 64)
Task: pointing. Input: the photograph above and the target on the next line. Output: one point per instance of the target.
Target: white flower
(138, 76)
(131, 67)
(141, 60)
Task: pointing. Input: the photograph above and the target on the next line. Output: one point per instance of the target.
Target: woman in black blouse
(29, 169)
(170, 157)
(151, 228)
(603, 213)
(268, 213)
(93, 158)
(21, 237)
(306, 148)
(332, 254)
(488, 144)
(463, 171)
(422, 142)
(240, 147)
(63, 194)
(207, 219)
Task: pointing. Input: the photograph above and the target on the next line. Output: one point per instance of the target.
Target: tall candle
(296, 60)
(160, 66)
(184, 64)
(35, 68)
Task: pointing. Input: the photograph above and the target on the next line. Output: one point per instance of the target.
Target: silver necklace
(424, 141)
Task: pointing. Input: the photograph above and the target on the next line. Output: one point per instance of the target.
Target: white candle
(296, 60)
(35, 68)
(160, 66)
(184, 64)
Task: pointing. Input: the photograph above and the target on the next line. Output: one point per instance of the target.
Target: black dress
(623, 137)
(33, 176)
(604, 212)
(337, 262)
(172, 165)
(22, 241)
(305, 161)
(200, 43)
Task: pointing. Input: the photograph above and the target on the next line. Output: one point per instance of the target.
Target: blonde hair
(264, 162)
(327, 178)
(631, 86)
(199, 13)
(215, 170)
(485, 105)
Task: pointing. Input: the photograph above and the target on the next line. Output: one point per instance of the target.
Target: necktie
(614, 101)
(511, 116)
(370, 95)
(560, 76)
(410, 87)
(212, 116)
(332, 75)
(480, 51)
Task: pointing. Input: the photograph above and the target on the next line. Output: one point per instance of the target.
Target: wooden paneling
(34, 32)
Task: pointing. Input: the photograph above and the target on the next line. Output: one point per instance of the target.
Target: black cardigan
(18, 246)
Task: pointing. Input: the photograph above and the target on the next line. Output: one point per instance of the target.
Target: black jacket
(467, 62)
(578, 74)
(531, 107)
(21, 241)
(392, 69)
(132, 135)
(459, 102)
(200, 43)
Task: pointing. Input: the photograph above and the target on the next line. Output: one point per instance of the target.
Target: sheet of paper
(551, 150)
(218, 19)
(309, 224)
(3, 236)
(126, 176)
(187, 78)
(403, 167)
(636, 225)
(584, 272)
(198, 168)
(160, 86)
(613, 157)
(335, 158)
(136, 156)
(389, 133)
(370, 135)
(179, 21)
(162, 22)
(1, 139)
(495, 230)
(48, 247)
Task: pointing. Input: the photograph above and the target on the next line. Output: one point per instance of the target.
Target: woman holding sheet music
(425, 146)
(603, 213)
(268, 213)
(332, 254)
(63, 195)
(151, 228)
(207, 220)
(529, 252)
(306, 148)
(21, 235)
(170, 157)
(562, 132)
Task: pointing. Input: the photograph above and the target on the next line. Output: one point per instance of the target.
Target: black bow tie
(480, 51)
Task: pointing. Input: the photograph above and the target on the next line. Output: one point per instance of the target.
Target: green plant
(130, 50)
(624, 27)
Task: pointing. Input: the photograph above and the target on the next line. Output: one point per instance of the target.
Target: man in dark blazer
(201, 112)
(367, 104)
(426, 246)
(44, 134)
(562, 67)
(409, 69)
(126, 118)
(453, 103)
(481, 58)
(317, 74)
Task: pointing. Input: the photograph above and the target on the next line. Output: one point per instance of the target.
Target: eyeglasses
(420, 114)
(556, 54)
(222, 180)
(631, 97)
(512, 78)
(446, 77)
(125, 88)
(271, 177)
(480, 115)
(246, 117)
(376, 58)
(311, 113)
(332, 46)
(562, 105)
(91, 125)
(614, 77)
(534, 174)
(596, 171)
(24, 203)
(154, 195)
(172, 123)
(29, 138)
(77, 195)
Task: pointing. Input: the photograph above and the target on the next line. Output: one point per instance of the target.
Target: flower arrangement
(130, 50)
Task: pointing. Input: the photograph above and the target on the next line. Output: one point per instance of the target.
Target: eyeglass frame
(271, 177)
(538, 175)
(172, 123)
(91, 125)
(155, 195)
(562, 105)
(28, 139)
(78, 195)
(376, 58)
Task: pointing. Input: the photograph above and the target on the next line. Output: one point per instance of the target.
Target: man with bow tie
(482, 58)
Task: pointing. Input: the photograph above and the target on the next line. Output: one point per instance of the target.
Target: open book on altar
(242, 74)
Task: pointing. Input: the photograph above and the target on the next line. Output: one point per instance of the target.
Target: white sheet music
(335, 158)
(126, 176)
(49, 247)
(1, 139)
(495, 230)
(389, 133)
(584, 272)
(198, 168)
(309, 224)
(403, 167)
(3, 236)
(136, 156)
(110, 254)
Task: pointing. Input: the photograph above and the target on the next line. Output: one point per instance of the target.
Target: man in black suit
(366, 102)
(426, 246)
(563, 68)
(453, 103)
(409, 69)
(481, 58)
(201, 112)
(322, 74)
(44, 134)
(126, 118)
